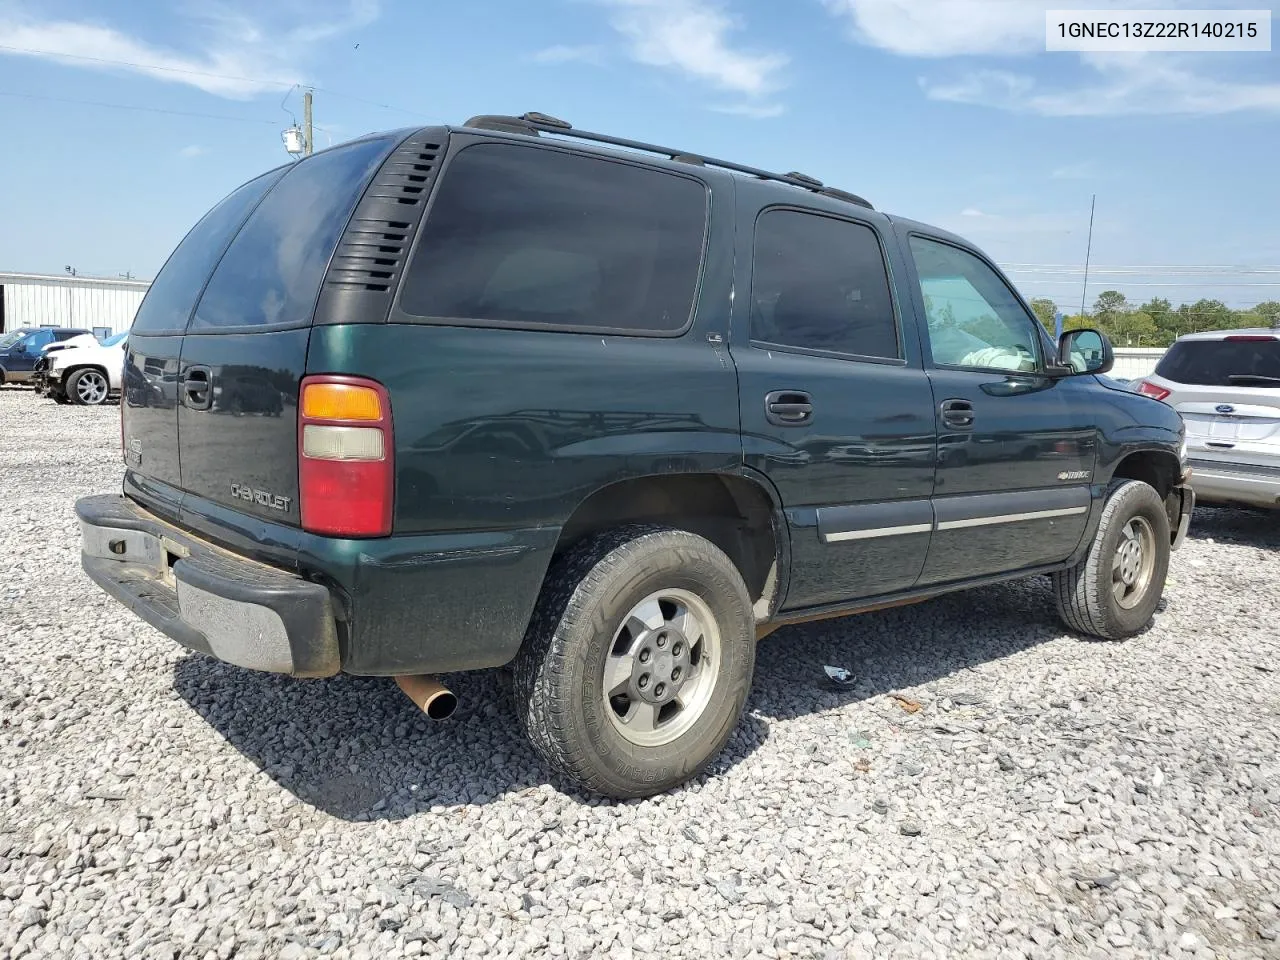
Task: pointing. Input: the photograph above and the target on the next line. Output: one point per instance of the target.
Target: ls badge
(1073, 475)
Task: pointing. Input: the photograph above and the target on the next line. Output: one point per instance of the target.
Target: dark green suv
(512, 394)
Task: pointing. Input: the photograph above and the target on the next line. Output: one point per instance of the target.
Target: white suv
(87, 375)
(1226, 386)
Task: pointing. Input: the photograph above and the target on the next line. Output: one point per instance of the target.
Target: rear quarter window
(530, 237)
(1223, 363)
(271, 273)
(169, 300)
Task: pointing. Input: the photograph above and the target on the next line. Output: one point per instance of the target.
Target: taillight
(346, 475)
(1248, 338)
(1149, 389)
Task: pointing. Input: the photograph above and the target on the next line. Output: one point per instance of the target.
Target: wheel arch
(1158, 468)
(1154, 466)
(739, 512)
(72, 371)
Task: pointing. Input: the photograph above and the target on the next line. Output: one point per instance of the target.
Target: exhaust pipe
(431, 696)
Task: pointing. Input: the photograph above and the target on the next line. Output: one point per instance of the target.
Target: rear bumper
(1223, 482)
(208, 599)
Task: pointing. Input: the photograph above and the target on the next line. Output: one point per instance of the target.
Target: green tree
(1132, 328)
(1205, 315)
(1166, 320)
(1108, 304)
(1077, 321)
(1045, 311)
(1270, 313)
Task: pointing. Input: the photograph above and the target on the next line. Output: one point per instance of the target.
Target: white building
(36, 300)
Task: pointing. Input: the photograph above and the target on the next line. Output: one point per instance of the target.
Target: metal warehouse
(37, 300)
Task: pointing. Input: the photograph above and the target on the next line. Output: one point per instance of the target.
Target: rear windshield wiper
(1254, 378)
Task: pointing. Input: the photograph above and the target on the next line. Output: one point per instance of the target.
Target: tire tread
(1079, 591)
(545, 708)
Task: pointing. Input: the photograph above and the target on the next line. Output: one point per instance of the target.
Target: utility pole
(306, 122)
(1084, 292)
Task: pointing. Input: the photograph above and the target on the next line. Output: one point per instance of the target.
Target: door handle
(788, 408)
(197, 388)
(957, 414)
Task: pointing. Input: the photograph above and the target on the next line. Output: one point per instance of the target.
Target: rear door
(834, 403)
(149, 400)
(1228, 393)
(245, 348)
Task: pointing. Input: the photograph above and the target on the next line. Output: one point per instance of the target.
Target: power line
(126, 106)
(1203, 283)
(1137, 269)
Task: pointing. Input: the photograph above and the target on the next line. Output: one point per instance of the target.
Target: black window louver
(370, 258)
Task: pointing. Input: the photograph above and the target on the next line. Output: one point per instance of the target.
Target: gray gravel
(1051, 797)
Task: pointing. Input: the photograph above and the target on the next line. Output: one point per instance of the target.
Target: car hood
(82, 340)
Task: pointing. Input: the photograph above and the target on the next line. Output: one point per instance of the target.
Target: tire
(641, 740)
(1094, 597)
(88, 387)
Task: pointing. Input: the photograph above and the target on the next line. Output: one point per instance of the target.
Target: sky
(122, 123)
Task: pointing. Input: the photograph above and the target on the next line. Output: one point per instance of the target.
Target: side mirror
(1085, 351)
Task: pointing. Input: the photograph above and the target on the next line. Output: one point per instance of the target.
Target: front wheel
(88, 387)
(1113, 592)
(637, 662)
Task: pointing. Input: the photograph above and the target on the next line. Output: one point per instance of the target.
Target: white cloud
(239, 56)
(944, 28)
(1127, 83)
(193, 150)
(996, 227)
(1085, 170)
(692, 37)
(561, 53)
(756, 111)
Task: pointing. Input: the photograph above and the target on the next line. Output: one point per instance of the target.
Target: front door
(25, 362)
(1015, 456)
(834, 402)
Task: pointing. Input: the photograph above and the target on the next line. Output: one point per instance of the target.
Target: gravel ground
(1048, 796)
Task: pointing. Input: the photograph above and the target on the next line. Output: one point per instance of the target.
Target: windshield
(12, 337)
(112, 341)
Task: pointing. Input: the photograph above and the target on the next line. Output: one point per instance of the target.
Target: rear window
(821, 284)
(172, 295)
(522, 236)
(1223, 363)
(271, 273)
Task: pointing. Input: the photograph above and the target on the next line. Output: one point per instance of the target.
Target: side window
(532, 237)
(821, 284)
(271, 273)
(172, 295)
(973, 317)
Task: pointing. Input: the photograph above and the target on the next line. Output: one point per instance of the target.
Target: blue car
(20, 349)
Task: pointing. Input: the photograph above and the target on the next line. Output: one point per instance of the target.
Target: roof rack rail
(532, 124)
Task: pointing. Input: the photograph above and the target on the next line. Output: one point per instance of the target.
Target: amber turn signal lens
(340, 401)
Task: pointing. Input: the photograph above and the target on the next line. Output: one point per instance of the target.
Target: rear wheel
(1114, 591)
(637, 661)
(88, 387)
